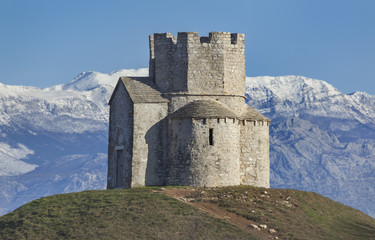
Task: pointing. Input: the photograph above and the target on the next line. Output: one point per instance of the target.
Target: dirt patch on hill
(183, 195)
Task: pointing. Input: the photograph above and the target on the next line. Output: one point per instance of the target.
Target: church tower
(187, 123)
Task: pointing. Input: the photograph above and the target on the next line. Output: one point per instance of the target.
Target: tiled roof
(141, 90)
(203, 109)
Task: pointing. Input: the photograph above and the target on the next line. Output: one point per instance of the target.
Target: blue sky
(44, 43)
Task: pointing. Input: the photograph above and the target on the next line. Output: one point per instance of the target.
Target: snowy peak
(296, 89)
(87, 81)
(363, 98)
(290, 95)
(78, 106)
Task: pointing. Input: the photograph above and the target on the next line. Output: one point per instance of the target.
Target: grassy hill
(187, 213)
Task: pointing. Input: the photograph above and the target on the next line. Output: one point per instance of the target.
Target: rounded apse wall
(204, 152)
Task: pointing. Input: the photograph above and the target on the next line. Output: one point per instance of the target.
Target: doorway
(119, 169)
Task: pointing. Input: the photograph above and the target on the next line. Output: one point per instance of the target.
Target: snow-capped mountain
(54, 140)
(297, 94)
(321, 139)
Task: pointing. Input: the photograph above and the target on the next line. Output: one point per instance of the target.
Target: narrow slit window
(211, 136)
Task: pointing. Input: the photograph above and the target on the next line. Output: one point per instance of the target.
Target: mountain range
(54, 140)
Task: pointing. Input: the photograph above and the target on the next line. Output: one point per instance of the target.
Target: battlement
(213, 64)
(223, 37)
(193, 37)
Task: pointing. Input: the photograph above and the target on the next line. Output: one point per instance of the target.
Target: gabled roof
(140, 90)
(203, 109)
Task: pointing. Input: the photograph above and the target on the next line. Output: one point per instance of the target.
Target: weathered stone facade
(187, 123)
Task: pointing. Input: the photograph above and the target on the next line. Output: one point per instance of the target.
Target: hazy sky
(44, 43)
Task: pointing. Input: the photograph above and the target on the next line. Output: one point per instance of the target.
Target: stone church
(188, 123)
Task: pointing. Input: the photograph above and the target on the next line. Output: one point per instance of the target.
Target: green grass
(293, 214)
(114, 214)
(142, 213)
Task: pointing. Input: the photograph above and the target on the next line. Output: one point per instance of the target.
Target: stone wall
(216, 64)
(168, 61)
(150, 144)
(195, 161)
(254, 161)
(180, 135)
(120, 146)
(198, 65)
(234, 65)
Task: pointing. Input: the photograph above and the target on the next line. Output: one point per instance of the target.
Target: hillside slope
(147, 213)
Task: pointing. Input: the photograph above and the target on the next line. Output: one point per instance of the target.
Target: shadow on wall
(156, 140)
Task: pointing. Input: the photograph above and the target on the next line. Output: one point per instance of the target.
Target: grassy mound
(147, 213)
(114, 214)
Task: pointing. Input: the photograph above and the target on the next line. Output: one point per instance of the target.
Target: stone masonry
(187, 123)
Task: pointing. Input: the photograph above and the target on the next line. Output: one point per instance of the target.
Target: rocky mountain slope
(54, 140)
(321, 139)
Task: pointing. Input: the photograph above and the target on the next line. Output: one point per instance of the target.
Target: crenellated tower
(187, 123)
(198, 65)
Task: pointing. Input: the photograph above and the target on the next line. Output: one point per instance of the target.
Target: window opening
(211, 136)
